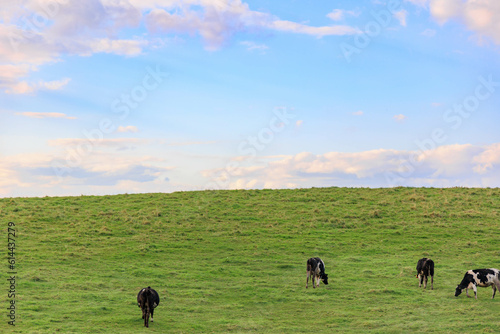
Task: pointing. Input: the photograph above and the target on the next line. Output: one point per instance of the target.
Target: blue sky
(106, 97)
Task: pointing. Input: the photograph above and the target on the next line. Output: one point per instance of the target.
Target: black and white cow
(425, 268)
(479, 277)
(147, 299)
(316, 270)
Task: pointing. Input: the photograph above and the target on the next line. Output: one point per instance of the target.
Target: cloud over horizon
(444, 166)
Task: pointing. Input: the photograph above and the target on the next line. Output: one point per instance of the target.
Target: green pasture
(235, 261)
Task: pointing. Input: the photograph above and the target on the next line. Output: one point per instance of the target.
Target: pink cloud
(401, 16)
(129, 128)
(482, 17)
(85, 28)
(40, 115)
(399, 118)
(23, 87)
(448, 165)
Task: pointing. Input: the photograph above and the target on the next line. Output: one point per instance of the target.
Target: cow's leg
(425, 281)
(467, 292)
(420, 278)
(475, 290)
(494, 291)
(497, 284)
(307, 279)
(432, 282)
(152, 311)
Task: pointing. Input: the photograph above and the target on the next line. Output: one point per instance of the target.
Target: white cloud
(39, 32)
(336, 15)
(218, 21)
(254, 46)
(428, 33)
(294, 27)
(339, 14)
(31, 114)
(129, 128)
(110, 171)
(101, 142)
(98, 173)
(419, 3)
(399, 118)
(450, 165)
(450, 161)
(119, 47)
(54, 85)
(488, 160)
(23, 47)
(299, 123)
(12, 71)
(401, 17)
(191, 143)
(23, 87)
(443, 10)
(358, 113)
(480, 16)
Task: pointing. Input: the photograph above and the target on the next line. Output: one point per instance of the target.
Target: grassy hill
(234, 261)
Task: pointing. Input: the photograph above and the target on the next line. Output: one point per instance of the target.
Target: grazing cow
(425, 268)
(316, 270)
(147, 299)
(479, 277)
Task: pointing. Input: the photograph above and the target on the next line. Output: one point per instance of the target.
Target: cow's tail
(309, 264)
(156, 298)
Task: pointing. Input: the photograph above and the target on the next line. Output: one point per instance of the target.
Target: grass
(234, 261)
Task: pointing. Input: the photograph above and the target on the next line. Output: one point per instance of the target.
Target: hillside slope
(234, 261)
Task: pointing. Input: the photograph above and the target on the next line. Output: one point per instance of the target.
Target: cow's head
(324, 278)
(458, 291)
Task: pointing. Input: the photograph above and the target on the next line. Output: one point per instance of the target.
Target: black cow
(147, 299)
(479, 277)
(425, 268)
(316, 270)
